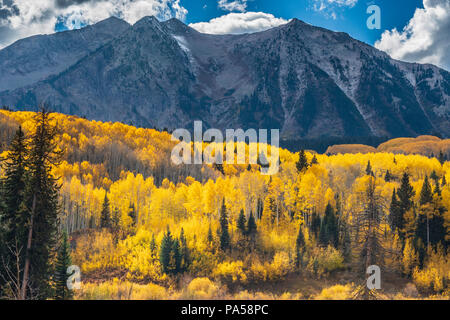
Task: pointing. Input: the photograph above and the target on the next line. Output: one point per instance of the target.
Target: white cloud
(238, 23)
(32, 17)
(426, 37)
(329, 8)
(236, 5)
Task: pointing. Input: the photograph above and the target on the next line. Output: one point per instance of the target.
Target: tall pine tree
(14, 213)
(63, 262)
(42, 193)
(105, 215)
(224, 233)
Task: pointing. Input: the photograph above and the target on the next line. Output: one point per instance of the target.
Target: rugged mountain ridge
(307, 81)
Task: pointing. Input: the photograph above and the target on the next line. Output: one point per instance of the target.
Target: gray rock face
(32, 59)
(307, 81)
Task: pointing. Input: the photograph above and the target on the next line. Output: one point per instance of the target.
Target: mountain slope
(32, 59)
(307, 81)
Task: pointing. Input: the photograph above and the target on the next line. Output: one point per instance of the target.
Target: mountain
(35, 58)
(307, 81)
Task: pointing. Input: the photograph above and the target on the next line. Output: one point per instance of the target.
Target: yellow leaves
(121, 290)
(337, 292)
(325, 260)
(435, 273)
(135, 255)
(410, 258)
(273, 270)
(202, 289)
(231, 271)
(94, 252)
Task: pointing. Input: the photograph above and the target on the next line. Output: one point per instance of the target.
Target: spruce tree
(42, 199)
(302, 163)
(241, 222)
(63, 262)
(105, 216)
(388, 176)
(314, 160)
(423, 220)
(299, 247)
(329, 230)
(405, 195)
(176, 257)
(315, 223)
(394, 212)
(369, 171)
(210, 235)
(14, 213)
(153, 245)
(434, 176)
(444, 182)
(370, 249)
(251, 225)
(224, 234)
(184, 252)
(426, 196)
(165, 251)
(115, 223)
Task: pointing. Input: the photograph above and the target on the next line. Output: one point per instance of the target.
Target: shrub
(337, 292)
(202, 289)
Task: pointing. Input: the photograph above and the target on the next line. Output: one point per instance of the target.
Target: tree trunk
(27, 254)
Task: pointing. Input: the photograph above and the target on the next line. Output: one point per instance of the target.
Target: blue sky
(394, 14)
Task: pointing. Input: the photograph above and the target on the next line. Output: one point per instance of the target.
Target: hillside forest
(105, 197)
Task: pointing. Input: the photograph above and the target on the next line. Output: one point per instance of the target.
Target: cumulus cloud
(238, 23)
(426, 37)
(23, 18)
(236, 5)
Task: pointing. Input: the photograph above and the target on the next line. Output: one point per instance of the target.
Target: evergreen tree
(14, 213)
(434, 176)
(184, 252)
(444, 182)
(426, 195)
(369, 171)
(314, 160)
(370, 249)
(224, 234)
(405, 195)
(437, 188)
(346, 244)
(241, 222)
(42, 193)
(395, 212)
(115, 223)
(425, 213)
(153, 246)
(105, 216)
(176, 257)
(329, 230)
(299, 248)
(210, 235)
(251, 225)
(165, 251)
(63, 262)
(388, 176)
(315, 223)
(302, 163)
